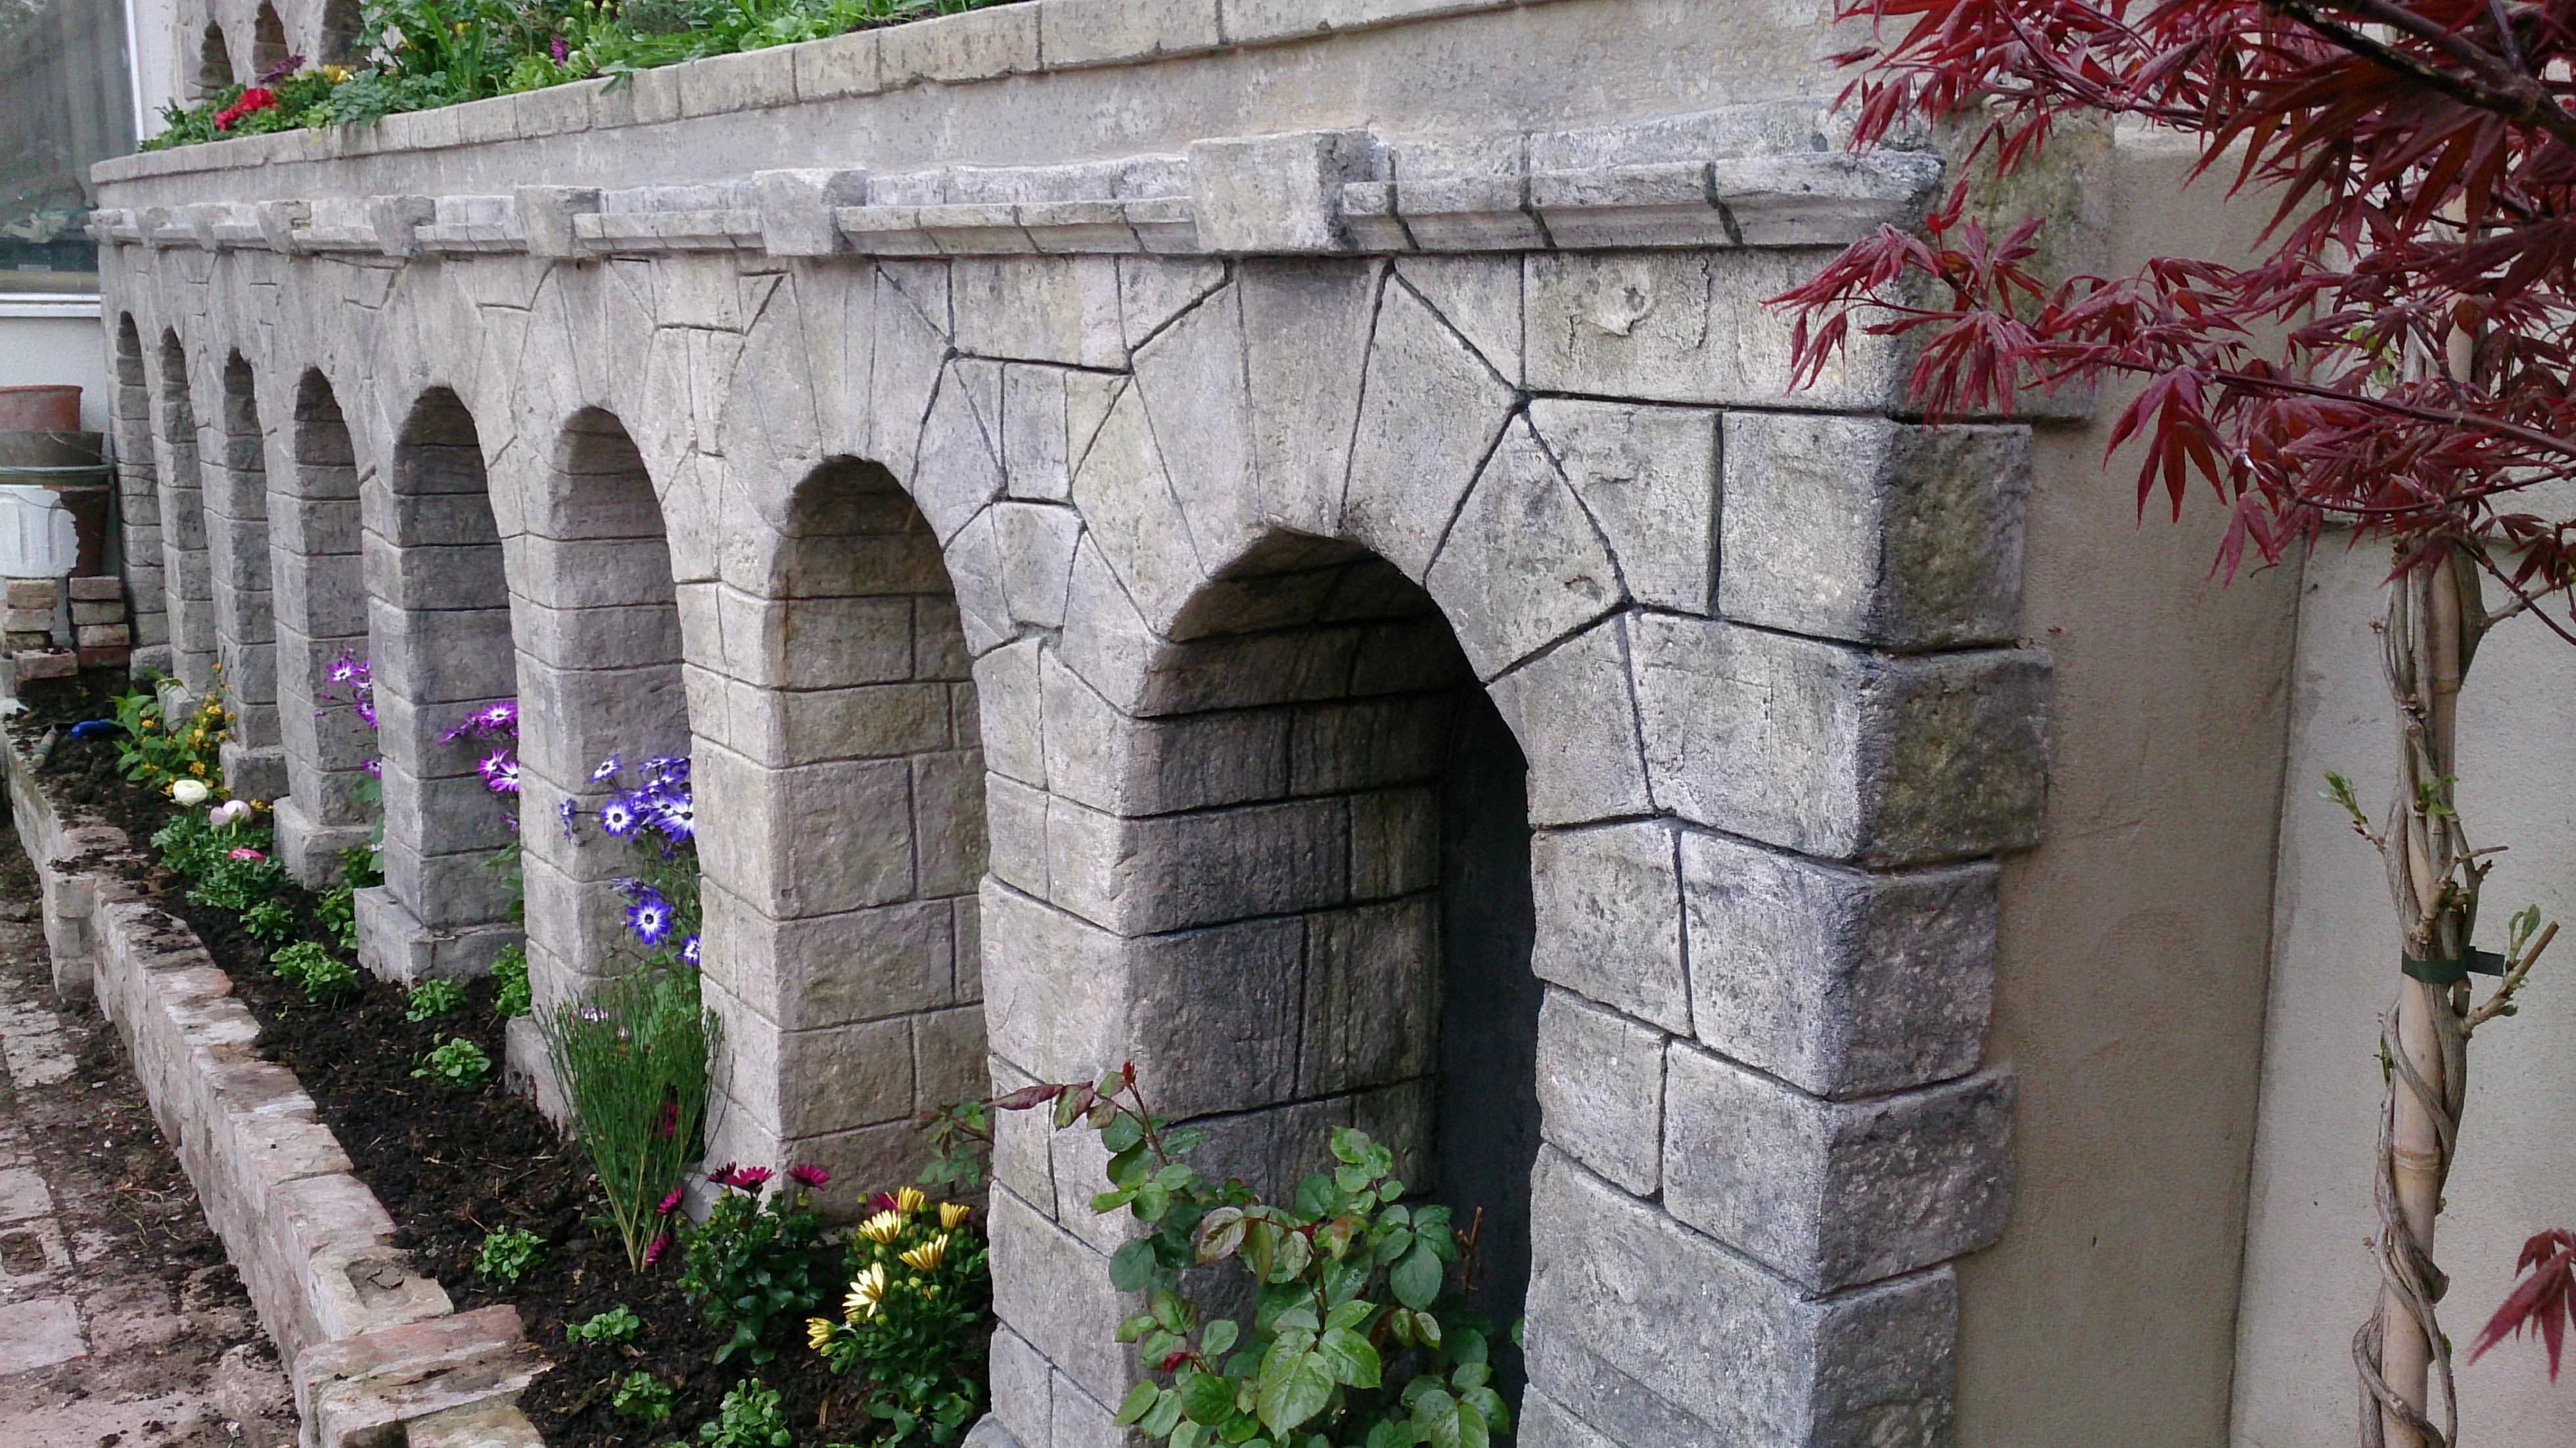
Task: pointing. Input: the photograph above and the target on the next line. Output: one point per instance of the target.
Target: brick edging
(369, 1341)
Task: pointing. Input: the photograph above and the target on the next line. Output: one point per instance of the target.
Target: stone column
(245, 629)
(316, 568)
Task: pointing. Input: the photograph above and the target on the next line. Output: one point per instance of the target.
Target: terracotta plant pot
(46, 408)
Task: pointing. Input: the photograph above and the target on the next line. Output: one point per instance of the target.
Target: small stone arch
(268, 49)
(340, 42)
(214, 62)
(139, 499)
(237, 558)
(845, 800)
(188, 579)
(318, 576)
(438, 641)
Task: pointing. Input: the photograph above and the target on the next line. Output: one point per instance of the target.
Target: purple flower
(606, 770)
(677, 818)
(500, 773)
(619, 817)
(566, 810)
(741, 1178)
(670, 1203)
(689, 952)
(555, 47)
(660, 1245)
(650, 917)
(809, 1177)
(343, 670)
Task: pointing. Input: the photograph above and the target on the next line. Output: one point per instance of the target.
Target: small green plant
(961, 1143)
(158, 754)
(914, 1325)
(431, 999)
(456, 1061)
(337, 910)
(313, 969)
(618, 1324)
(1360, 1337)
(642, 1397)
(510, 973)
(507, 1253)
(633, 1063)
(754, 1263)
(269, 921)
(749, 1417)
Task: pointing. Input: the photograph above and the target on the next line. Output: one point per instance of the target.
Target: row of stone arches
(327, 32)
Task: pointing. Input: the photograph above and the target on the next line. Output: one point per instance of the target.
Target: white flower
(190, 792)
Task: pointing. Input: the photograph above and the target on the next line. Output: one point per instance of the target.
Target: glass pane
(65, 101)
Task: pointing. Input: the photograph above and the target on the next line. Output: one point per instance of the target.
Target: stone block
(102, 636)
(1878, 532)
(1428, 422)
(744, 80)
(832, 969)
(1020, 1374)
(1660, 1338)
(1172, 872)
(1839, 982)
(1691, 327)
(796, 208)
(1372, 1001)
(1054, 1292)
(1648, 477)
(1834, 1193)
(977, 45)
(1601, 1090)
(1278, 194)
(28, 620)
(1108, 32)
(1040, 309)
(1841, 753)
(98, 613)
(843, 65)
(546, 214)
(1521, 565)
(1609, 922)
(1252, 21)
(28, 664)
(32, 593)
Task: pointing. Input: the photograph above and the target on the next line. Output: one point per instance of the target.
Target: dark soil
(452, 1164)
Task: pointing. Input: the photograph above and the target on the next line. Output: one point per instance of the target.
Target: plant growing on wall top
(2394, 360)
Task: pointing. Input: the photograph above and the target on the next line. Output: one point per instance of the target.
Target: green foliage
(749, 1417)
(915, 1323)
(456, 1061)
(510, 973)
(961, 1144)
(1360, 1337)
(642, 1397)
(314, 970)
(431, 999)
(756, 1263)
(157, 755)
(507, 1254)
(618, 1324)
(633, 1063)
(269, 921)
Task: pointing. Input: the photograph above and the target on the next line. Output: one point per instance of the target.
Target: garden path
(121, 1324)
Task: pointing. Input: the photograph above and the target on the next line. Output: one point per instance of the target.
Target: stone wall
(1059, 495)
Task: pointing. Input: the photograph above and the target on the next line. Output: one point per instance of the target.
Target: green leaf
(1122, 1132)
(1139, 1401)
(1435, 1418)
(1183, 1141)
(1470, 1375)
(1415, 1280)
(1132, 1266)
(1207, 1398)
(1165, 1417)
(1349, 1145)
(1293, 1387)
(1294, 1253)
(1427, 1329)
(1349, 1314)
(1188, 1434)
(1299, 1318)
(1219, 1337)
(1135, 1327)
(1171, 1312)
(1221, 1234)
(1490, 1404)
(1352, 1361)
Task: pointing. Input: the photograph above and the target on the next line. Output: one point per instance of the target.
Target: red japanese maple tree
(2394, 358)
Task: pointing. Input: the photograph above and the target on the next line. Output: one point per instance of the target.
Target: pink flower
(670, 1123)
(742, 1178)
(669, 1205)
(660, 1245)
(246, 853)
(808, 1176)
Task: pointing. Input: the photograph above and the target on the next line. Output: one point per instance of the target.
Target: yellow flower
(197, 768)
(818, 1333)
(882, 1227)
(909, 1200)
(953, 1213)
(928, 1256)
(865, 1290)
(335, 73)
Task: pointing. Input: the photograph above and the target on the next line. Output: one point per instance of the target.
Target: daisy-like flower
(605, 770)
(500, 773)
(565, 810)
(882, 1228)
(343, 670)
(619, 817)
(909, 1200)
(928, 1256)
(866, 1290)
(670, 1204)
(689, 954)
(246, 853)
(951, 1214)
(677, 819)
(650, 917)
(660, 1245)
(818, 1333)
(808, 1176)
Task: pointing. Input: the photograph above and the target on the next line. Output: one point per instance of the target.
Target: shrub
(642, 1397)
(618, 1324)
(754, 1262)
(749, 1417)
(157, 754)
(1359, 1337)
(313, 970)
(510, 972)
(916, 1321)
(507, 1253)
(431, 999)
(456, 1061)
(633, 1063)
(961, 1143)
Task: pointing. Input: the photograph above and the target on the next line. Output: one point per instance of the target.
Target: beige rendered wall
(51, 350)
(2130, 989)
(2308, 1274)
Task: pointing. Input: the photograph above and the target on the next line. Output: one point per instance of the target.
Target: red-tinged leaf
(2543, 1301)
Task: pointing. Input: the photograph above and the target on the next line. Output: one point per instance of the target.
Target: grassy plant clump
(431, 999)
(314, 970)
(507, 1254)
(633, 1063)
(457, 1061)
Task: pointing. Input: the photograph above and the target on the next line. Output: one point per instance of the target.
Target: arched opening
(214, 62)
(237, 559)
(1301, 863)
(187, 580)
(319, 584)
(846, 844)
(268, 53)
(340, 21)
(139, 501)
(438, 641)
(598, 642)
